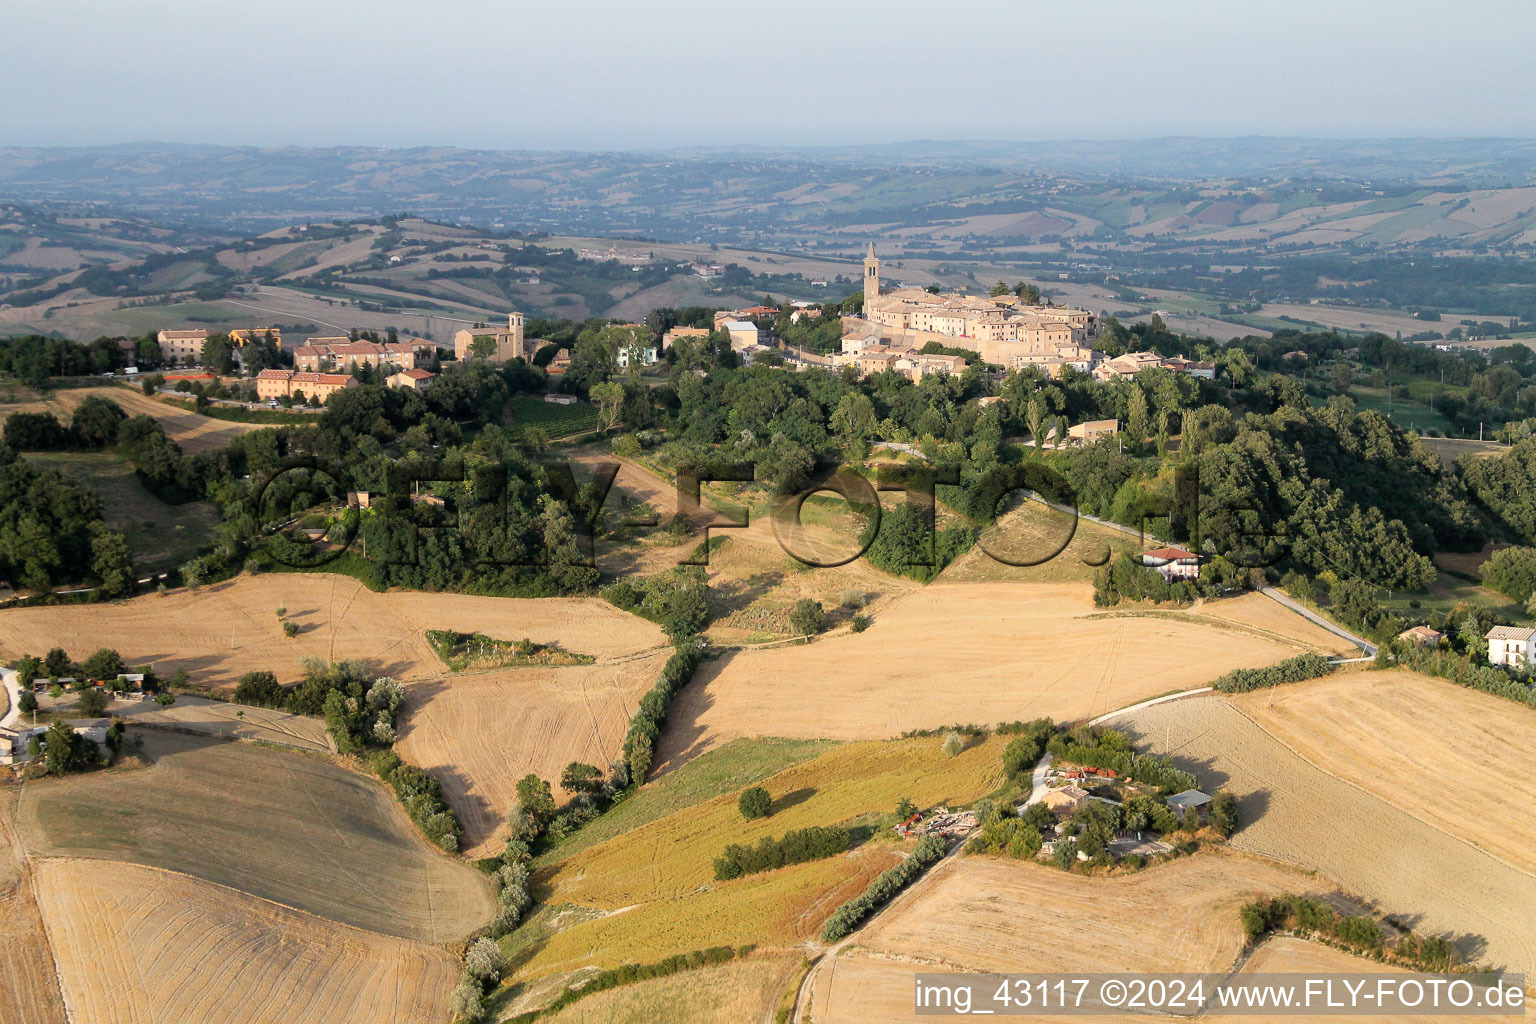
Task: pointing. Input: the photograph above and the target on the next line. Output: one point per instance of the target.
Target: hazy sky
(600, 74)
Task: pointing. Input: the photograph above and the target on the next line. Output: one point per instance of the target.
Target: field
(478, 733)
(1285, 955)
(984, 914)
(139, 946)
(1387, 732)
(161, 536)
(1371, 846)
(728, 769)
(29, 991)
(983, 652)
(193, 432)
(555, 420)
(651, 891)
(218, 632)
(730, 994)
(328, 839)
(1031, 532)
(231, 721)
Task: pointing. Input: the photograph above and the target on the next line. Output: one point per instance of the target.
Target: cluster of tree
(65, 750)
(1468, 669)
(628, 974)
(908, 545)
(34, 359)
(795, 847)
(52, 532)
(483, 964)
(1101, 747)
(645, 727)
(513, 895)
(676, 599)
(1361, 933)
(1026, 747)
(885, 885)
(1291, 670)
(536, 816)
(422, 797)
(1503, 486)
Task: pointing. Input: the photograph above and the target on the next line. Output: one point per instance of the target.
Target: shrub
(93, 702)
(859, 623)
(755, 803)
(260, 689)
(290, 629)
(105, 663)
(807, 617)
(1291, 670)
(953, 744)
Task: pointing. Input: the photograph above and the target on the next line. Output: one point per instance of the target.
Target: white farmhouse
(1512, 646)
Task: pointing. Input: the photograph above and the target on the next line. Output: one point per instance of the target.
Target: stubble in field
(219, 632)
(293, 829)
(140, 946)
(971, 652)
(1298, 813)
(479, 733)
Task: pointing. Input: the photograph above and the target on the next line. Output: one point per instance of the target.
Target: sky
(597, 74)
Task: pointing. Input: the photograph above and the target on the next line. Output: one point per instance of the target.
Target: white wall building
(1512, 646)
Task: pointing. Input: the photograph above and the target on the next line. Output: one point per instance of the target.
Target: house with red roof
(1173, 563)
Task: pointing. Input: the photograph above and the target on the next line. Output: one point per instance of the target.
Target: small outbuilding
(1180, 802)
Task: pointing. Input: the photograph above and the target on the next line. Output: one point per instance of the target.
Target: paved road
(1307, 613)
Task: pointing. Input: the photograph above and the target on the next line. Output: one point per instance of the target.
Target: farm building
(1092, 430)
(1422, 635)
(1180, 802)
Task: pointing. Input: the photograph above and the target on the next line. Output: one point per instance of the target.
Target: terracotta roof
(416, 374)
(1169, 554)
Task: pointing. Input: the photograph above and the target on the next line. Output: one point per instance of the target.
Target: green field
(734, 766)
(287, 827)
(1407, 412)
(161, 536)
(554, 420)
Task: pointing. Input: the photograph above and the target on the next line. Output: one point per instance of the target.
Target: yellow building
(508, 342)
(272, 384)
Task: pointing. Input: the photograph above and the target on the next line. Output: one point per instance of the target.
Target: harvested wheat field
(193, 431)
(219, 632)
(1031, 532)
(229, 721)
(294, 829)
(29, 991)
(141, 946)
(479, 733)
(1389, 732)
(744, 990)
(878, 990)
(1299, 813)
(1286, 955)
(973, 652)
(978, 914)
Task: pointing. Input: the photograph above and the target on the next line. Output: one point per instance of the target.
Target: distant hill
(978, 196)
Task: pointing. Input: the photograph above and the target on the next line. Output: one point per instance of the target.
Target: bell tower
(871, 277)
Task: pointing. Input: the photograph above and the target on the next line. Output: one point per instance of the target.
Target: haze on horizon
(610, 75)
